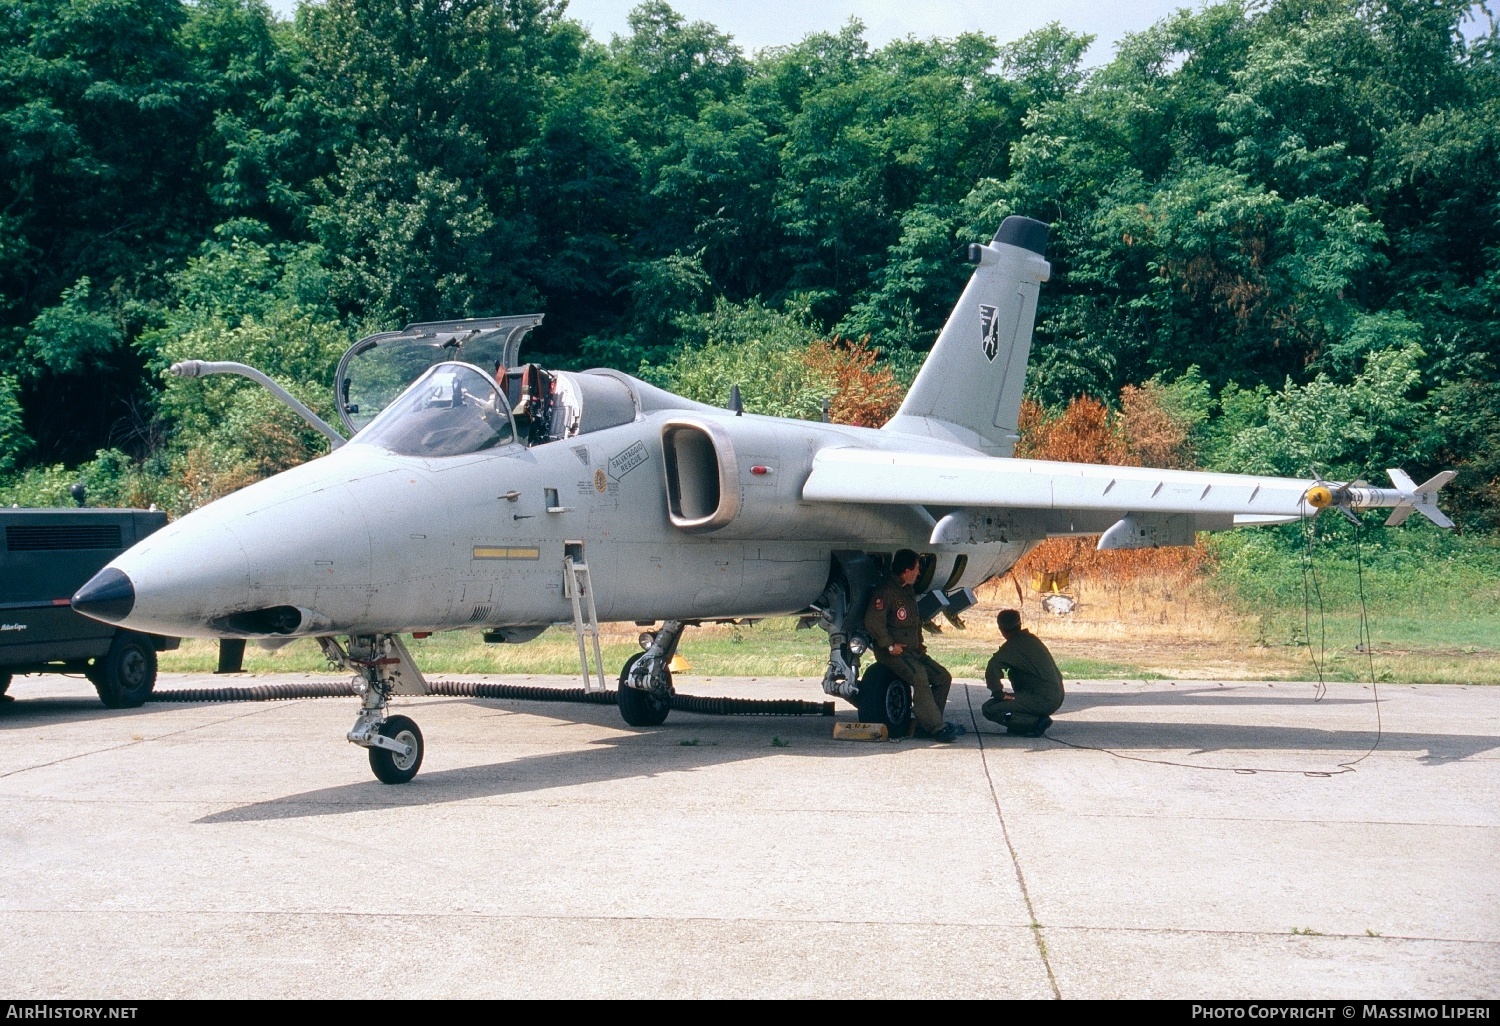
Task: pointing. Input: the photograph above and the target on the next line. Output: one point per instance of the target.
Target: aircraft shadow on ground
(658, 751)
(653, 752)
(34, 712)
(1211, 697)
(1203, 738)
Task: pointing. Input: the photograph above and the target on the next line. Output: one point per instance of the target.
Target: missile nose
(109, 596)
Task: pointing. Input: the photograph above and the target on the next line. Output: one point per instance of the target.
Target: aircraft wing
(1217, 501)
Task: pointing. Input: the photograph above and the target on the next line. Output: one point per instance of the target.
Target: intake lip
(256, 622)
(109, 596)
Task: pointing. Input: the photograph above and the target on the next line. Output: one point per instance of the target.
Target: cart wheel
(125, 675)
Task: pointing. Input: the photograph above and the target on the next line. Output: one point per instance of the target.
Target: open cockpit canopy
(464, 377)
(452, 410)
(378, 368)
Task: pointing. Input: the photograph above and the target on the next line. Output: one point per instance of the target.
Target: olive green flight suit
(1033, 676)
(891, 619)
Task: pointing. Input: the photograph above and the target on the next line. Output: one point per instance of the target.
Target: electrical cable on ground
(1367, 641)
(1309, 573)
(1310, 569)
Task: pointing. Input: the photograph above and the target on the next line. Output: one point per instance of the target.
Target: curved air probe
(203, 368)
(717, 706)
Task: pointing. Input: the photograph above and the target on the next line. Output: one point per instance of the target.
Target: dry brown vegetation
(867, 394)
(1087, 431)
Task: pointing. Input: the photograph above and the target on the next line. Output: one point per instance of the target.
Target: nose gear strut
(383, 668)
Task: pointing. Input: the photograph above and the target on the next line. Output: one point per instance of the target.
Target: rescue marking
(623, 463)
(506, 552)
(989, 330)
(582, 452)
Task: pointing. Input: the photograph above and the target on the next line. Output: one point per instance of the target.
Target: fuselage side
(366, 541)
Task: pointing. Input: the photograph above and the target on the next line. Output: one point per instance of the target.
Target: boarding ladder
(581, 590)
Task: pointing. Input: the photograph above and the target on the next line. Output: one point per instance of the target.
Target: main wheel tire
(885, 698)
(390, 767)
(640, 708)
(125, 675)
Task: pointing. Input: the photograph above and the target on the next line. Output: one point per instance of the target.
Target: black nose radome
(108, 596)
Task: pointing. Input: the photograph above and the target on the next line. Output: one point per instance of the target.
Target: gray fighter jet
(478, 492)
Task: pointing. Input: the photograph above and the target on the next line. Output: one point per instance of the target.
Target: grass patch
(1431, 598)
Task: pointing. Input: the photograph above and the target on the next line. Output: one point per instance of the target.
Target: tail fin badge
(989, 329)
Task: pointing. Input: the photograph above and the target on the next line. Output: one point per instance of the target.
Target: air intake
(703, 492)
(272, 620)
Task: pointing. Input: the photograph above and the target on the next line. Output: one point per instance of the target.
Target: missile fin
(1437, 516)
(1401, 480)
(1436, 481)
(1398, 515)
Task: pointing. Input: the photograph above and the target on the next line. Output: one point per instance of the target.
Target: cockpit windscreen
(451, 410)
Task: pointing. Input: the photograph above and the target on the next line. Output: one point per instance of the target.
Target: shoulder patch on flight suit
(880, 603)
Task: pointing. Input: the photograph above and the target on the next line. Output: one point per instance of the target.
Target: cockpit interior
(455, 387)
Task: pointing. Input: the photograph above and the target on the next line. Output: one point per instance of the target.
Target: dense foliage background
(1277, 222)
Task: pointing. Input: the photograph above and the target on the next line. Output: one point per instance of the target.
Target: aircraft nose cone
(109, 596)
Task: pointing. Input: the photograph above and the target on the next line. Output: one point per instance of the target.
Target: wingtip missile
(1403, 500)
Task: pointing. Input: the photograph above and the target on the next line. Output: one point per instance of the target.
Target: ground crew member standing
(896, 630)
(1034, 677)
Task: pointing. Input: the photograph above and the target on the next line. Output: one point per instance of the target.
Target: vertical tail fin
(969, 389)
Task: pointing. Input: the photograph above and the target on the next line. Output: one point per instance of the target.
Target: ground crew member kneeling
(896, 630)
(1034, 677)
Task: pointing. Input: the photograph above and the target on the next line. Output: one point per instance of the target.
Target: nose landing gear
(645, 695)
(384, 668)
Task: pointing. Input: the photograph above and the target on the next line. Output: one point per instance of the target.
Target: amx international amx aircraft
(479, 492)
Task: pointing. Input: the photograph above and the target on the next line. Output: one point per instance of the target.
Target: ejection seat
(545, 406)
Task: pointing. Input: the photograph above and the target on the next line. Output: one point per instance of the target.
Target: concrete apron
(549, 850)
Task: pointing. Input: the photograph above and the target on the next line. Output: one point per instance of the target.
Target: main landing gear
(645, 694)
(383, 668)
(878, 694)
(885, 698)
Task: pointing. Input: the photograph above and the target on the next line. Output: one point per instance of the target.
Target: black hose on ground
(721, 706)
(520, 692)
(717, 706)
(258, 693)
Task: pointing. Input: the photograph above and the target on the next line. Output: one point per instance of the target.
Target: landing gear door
(378, 368)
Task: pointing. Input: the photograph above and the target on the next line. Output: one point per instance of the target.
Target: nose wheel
(399, 763)
(645, 695)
